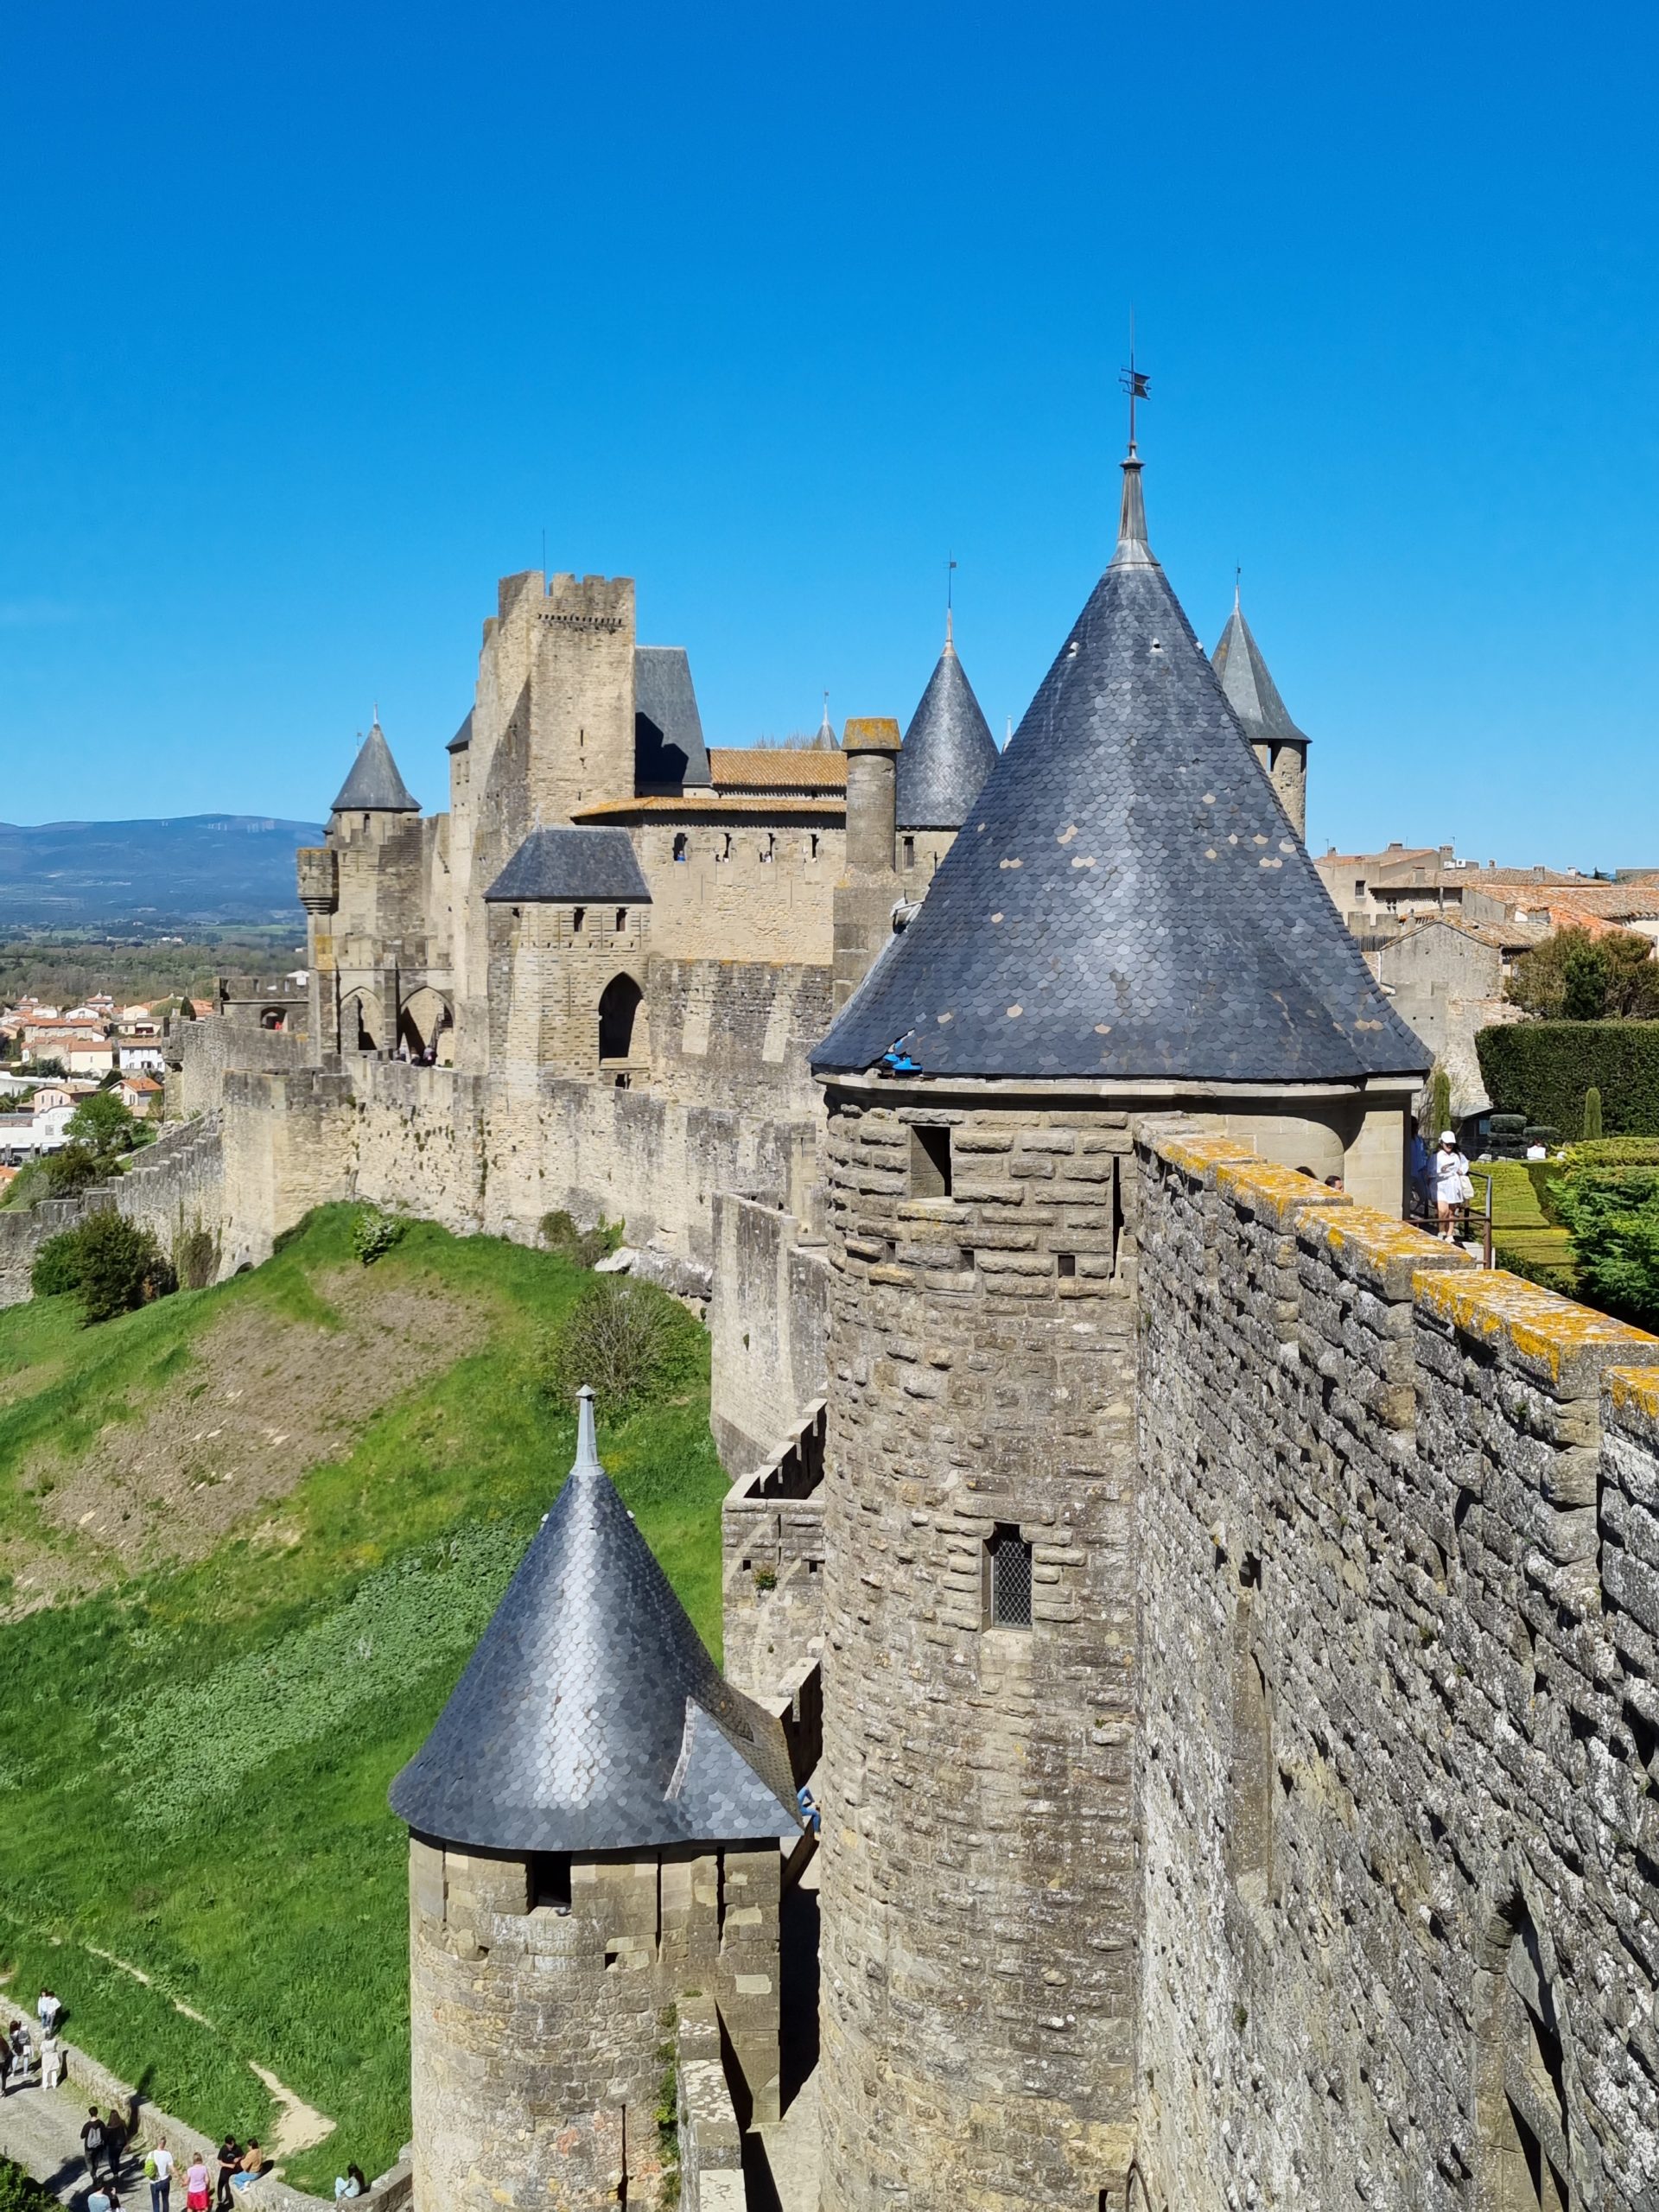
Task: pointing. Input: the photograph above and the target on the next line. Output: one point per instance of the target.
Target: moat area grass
(193, 1761)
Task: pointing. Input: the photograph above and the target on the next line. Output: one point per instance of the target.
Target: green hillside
(248, 1537)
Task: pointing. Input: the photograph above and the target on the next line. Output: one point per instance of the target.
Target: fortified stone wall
(769, 1318)
(200, 1055)
(1399, 1536)
(173, 1187)
(753, 878)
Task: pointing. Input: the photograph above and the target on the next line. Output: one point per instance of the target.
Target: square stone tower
(1124, 922)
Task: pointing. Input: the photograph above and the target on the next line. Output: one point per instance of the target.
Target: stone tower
(1123, 923)
(948, 753)
(569, 923)
(594, 1830)
(1251, 693)
(363, 894)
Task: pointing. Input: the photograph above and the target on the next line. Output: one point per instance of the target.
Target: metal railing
(1468, 1223)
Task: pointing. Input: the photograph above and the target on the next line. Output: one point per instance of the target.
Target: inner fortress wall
(1398, 1539)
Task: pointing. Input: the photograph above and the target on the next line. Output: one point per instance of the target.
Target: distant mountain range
(196, 869)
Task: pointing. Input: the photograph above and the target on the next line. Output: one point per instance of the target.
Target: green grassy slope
(195, 1754)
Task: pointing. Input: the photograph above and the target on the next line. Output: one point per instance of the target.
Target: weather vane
(1133, 381)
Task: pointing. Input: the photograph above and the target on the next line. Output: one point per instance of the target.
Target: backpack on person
(93, 2135)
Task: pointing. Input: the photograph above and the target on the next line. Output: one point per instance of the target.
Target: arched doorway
(621, 1026)
(360, 1023)
(425, 1029)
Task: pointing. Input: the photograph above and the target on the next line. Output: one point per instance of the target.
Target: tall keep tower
(1279, 746)
(1125, 922)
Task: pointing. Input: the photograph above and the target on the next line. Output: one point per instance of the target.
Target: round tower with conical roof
(1125, 924)
(948, 753)
(596, 1824)
(365, 894)
(1280, 747)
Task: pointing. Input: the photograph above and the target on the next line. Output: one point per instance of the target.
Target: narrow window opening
(910, 852)
(549, 1877)
(930, 1163)
(770, 847)
(1008, 1579)
(679, 846)
(577, 918)
(1067, 1264)
(812, 845)
(621, 917)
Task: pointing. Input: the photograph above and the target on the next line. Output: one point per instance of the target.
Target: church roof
(668, 746)
(947, 753)
(1126, 899)
(463, 736)
(1249, 688)
(374, 785)
(553, 866)
(590, 1718)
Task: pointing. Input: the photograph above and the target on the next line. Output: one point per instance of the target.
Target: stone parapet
(711, 2142)
(1400, 1544)
(772, 1545)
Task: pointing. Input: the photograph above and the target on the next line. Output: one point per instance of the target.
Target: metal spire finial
(587, 1440)
(949, 574)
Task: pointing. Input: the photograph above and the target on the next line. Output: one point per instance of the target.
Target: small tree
(1440, 1103)
(104, 1125)
(111, 1264)
(1592, 1115)
(1614, 973)
(70, 1169)
(629, 1341)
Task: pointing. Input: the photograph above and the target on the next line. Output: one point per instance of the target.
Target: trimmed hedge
(1543, 1070)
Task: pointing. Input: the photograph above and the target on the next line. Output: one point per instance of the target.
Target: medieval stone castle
(1220, 1623)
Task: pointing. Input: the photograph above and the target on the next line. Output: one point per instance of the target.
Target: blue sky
(317, 317)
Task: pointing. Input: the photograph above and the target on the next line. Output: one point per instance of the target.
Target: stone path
(785, 2177)
(40, 2129)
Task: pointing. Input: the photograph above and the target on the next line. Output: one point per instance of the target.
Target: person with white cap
(1452, 1188)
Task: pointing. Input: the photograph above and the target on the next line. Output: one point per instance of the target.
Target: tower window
(679, 845)
(1008, 1579)
(910, 852)
(770, 847)
(812, 845)
(550, 1879)
(621, 917)
(577, 918)
(1066, 1262)
(930, 1163)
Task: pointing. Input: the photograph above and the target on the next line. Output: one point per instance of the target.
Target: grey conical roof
(1126, 899)
(1249, 686)
(374, 785)
(590, 1718)
(947, 753)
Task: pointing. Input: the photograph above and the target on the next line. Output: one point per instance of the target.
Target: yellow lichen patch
(1196, 1156)
(1544, 1328)
(1278, 1192)
(1634, 1390)
(1376, 1244)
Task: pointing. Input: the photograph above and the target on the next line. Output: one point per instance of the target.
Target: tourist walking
(50, 2007)
(158, 2172)
(195, 2184)
(5, 2066)
(92, 2144)
(230, 2160)
(22, 2052)
(115, 2140)
(1452, 1188)
(51, 2060)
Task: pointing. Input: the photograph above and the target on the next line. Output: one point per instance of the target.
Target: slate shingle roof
(590, 1718)
(1126, 898)
(668, 746)
(1248, 687)
(463, 736)
(947, 753)
(554, 866)
(374, 785)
